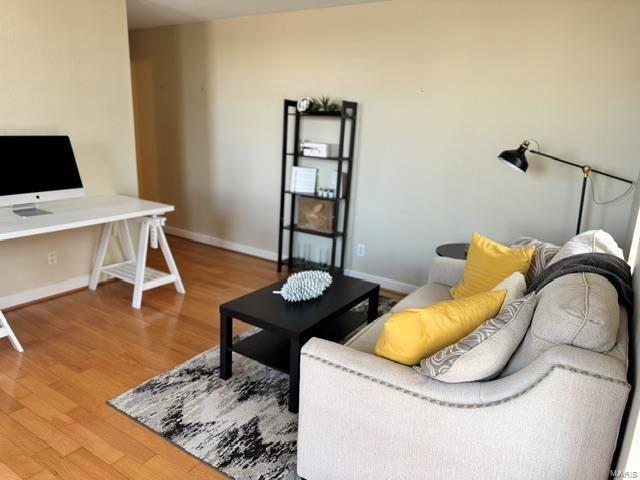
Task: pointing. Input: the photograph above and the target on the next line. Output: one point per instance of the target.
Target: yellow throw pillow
(488, 263)
(416, 333)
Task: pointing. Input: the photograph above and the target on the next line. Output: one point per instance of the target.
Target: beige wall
(444, 85)
(65, 70)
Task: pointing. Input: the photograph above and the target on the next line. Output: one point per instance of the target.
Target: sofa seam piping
(469, 405)
(585, 318)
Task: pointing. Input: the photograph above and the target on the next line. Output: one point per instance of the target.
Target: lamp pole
(586, 170)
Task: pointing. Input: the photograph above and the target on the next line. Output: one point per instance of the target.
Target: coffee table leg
(226, 323)
(294, 374)
(373, 305)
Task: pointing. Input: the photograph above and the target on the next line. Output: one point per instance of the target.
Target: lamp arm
(580, 166)
(556, 159)
(613, 176)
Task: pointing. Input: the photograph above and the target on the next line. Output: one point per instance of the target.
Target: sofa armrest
(528, 423)
(446, 271)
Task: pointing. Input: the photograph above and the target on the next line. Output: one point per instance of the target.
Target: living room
(179, 124)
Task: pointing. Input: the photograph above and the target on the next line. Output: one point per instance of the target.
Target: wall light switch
(360, 250)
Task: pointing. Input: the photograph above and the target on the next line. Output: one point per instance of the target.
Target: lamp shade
(516, 159)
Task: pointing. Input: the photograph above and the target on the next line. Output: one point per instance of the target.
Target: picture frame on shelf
(315, 214)
(303, 180)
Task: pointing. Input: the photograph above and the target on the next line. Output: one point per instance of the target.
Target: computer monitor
(36, 169)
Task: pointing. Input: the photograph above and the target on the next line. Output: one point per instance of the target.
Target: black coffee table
(287, 326)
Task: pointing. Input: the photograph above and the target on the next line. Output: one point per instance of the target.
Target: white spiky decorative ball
(305, 285)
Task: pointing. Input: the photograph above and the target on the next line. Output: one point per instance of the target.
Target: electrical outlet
(52, 258)
(360, 250)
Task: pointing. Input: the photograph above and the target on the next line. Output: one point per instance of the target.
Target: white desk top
(77, 213)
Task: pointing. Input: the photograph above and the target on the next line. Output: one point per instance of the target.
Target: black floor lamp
(517, 160)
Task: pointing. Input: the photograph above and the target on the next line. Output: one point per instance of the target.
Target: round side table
(453, 250)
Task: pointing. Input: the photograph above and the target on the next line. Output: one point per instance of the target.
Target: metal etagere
(345, 118)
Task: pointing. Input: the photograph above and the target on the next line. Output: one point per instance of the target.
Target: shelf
(126, 271)
(337, 114)
(267, 348)
(293, 128)
(310, 266)
(337, 329)
(311, 195)
(273, 350)
(295, 269)
(344, 159)
(296, 228)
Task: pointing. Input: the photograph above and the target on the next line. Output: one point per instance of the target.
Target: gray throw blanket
(614, 269)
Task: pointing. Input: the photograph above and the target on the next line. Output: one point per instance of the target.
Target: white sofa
(365, 417)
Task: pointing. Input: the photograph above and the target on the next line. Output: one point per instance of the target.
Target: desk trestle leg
(171, 263)
(134, 269)
(101, 252)
(5, 331)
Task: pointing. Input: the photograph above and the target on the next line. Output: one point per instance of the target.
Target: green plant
(333, 107)
(324, 104)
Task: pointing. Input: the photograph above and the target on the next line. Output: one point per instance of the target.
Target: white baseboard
(219, 242)
(29, 296)
(384, 282)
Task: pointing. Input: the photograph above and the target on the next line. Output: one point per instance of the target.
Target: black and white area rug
(240, 426)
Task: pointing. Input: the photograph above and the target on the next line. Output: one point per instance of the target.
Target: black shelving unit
(346, 121)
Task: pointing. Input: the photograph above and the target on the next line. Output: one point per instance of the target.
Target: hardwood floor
(84, 348)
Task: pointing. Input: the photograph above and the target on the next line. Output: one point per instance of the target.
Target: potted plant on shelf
(324, 104)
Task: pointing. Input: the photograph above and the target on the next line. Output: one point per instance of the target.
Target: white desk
(111, 211)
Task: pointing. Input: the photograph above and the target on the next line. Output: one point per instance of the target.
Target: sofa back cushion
(543, 254)
(592, 241)
(515, 286)
(423, 297)
(579, 309)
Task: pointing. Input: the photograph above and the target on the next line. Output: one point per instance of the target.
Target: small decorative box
(321, 150)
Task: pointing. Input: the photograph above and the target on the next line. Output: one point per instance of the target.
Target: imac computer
(37, 169)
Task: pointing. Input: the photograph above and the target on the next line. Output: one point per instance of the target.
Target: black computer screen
(30, 164)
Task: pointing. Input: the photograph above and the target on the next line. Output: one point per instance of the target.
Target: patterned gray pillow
(484, 352)
(542, 255)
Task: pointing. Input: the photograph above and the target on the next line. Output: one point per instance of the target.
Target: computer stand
(28, 210)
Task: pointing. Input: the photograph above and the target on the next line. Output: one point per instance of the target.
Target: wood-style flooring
(84, 348)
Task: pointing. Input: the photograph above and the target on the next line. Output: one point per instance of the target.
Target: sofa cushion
(579, 309)
(413, 334)
(488, 263)
(515, 285)
(592, 241)
(365, 340)
(484, 352)
(543, 254)
(423, 297)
